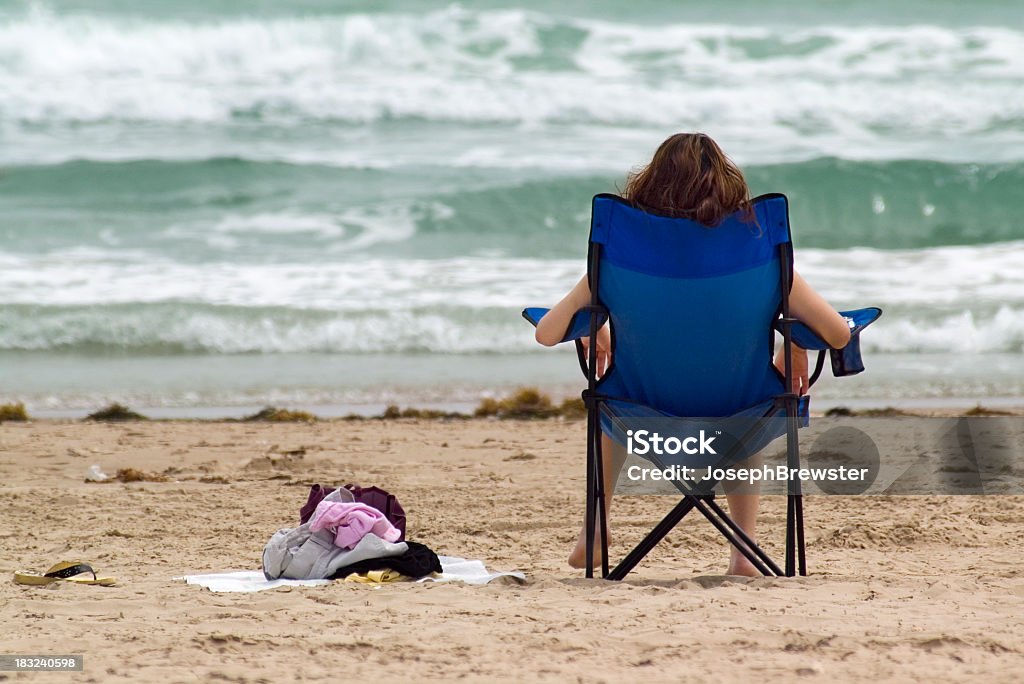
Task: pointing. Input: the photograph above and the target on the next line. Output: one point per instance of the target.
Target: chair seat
(752, 428)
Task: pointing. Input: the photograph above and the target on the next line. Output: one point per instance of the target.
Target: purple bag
(374, 497)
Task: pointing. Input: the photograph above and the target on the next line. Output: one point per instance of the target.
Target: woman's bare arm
(552, 327)
(812, 309)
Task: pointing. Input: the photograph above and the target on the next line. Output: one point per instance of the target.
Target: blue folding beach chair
(694, 311)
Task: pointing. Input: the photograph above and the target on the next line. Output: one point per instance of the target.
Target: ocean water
(345, 204)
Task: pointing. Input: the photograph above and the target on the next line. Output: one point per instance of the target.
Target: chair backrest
(691, 307)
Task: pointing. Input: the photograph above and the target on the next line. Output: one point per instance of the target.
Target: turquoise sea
(212, 206)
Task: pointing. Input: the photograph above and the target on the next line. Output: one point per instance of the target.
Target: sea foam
(454, 305)
(871, 91)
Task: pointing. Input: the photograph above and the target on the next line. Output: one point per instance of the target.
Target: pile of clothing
(352, 533)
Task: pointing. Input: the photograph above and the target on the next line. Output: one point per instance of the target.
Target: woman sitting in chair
(690, 177)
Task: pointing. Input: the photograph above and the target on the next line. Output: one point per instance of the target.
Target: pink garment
(350, 522)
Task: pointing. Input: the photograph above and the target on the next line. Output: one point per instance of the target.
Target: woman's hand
(801, 378)
(604, 349)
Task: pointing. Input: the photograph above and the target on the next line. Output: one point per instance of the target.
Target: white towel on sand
(469, 571)
(454, 570)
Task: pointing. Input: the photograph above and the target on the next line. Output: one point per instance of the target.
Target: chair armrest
(858, 319)
(845, 361)
(579, 325)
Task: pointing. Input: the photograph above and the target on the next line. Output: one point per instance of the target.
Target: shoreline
(927, 406)
(195, 386)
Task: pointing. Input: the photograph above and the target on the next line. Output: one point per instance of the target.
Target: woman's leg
(612, 458)
(744, 499)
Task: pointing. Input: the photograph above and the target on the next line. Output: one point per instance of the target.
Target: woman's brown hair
(690, 177)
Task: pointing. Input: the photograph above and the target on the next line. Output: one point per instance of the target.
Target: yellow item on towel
(377, 577)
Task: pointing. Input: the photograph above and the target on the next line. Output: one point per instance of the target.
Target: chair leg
(680, 510)
(600, 503)
(790, 534)
(794, 503)
(591, 496)
(800, 547)
(727, 533)
(745, 538)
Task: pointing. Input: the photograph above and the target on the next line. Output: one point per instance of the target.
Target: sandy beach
(901, 588)
(340, 209)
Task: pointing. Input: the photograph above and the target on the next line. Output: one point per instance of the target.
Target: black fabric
(71, 571)
(418, 561)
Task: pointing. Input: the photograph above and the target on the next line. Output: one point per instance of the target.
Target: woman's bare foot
(739, 565)
(578, 556)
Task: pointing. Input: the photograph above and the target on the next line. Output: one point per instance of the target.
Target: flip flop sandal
(64, 572)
